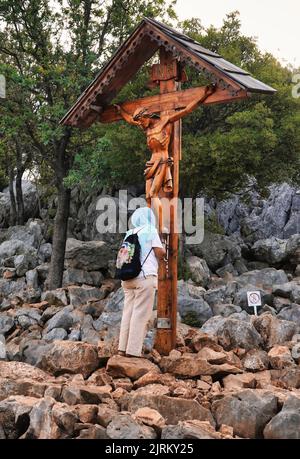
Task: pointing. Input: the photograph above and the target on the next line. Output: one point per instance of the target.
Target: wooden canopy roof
(139, 47)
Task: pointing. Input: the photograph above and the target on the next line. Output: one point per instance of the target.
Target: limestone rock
(198, 270)
(286, 424)
(256, 360)
(132, 367)
(247, 411)
(192, 429)
(87, 255)
(14, 415)
(172, 409)
(272, 330)
(123, 426)
(150, 417)
(70, 357)
(232, 333)
(280, 357)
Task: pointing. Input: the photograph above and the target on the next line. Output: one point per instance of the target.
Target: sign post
(254, 300)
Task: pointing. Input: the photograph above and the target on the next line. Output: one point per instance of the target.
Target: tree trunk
(19, 196)
(13, 209)
(59, 239)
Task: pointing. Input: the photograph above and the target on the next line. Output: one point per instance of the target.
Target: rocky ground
(232, 374)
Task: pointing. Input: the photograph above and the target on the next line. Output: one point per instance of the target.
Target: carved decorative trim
(191, 61)
(99, 87)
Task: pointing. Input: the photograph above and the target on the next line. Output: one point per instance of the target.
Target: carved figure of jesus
(158, 130)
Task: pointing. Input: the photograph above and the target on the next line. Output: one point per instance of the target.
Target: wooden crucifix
(160, 118)
(161, 123)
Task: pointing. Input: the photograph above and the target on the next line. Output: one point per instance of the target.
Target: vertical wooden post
(167, 274)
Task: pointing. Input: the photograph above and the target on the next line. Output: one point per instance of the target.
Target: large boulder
(217, 250)
(87, 255)
(198, 270)
(193, 309)
(130, 367)
(172, 409)
(272, 330)
(268, 217)
(286, 424)
(272, 250)
(79, 276)
(233, 333)
(14, 415)
(70, 357)
(263, 278)
(247, 411)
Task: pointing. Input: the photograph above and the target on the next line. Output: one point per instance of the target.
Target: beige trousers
(138, 304)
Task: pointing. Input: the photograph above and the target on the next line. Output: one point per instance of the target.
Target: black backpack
(128, 264)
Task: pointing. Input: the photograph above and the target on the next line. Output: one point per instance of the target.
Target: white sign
(254, 300)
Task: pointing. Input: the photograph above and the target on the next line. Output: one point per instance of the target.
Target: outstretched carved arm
(209, 90)
(126, 116)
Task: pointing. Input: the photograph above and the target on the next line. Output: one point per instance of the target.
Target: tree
(56, 48)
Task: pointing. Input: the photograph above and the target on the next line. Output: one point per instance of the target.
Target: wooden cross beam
(168, 101)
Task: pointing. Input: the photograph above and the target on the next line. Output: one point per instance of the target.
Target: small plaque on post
(163, 323)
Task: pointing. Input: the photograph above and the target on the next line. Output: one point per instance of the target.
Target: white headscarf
(144, 218)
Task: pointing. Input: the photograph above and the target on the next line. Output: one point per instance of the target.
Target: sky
(274, 23)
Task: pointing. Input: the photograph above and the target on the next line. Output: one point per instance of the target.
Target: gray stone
(80, 295)
(198, 270)
(14, 415)
(30, 199)
(172, 409)
(291, 313)
(7, 324)
(232, 333)
(256, 360)
(62, 319)
(75, 335)
(25, 317)
(56, 333)
(2, 348)
(264, 278)
(56, 297)
(272, 330)
(45, 252)
(88, 332)
(78, 276)
(216, 296)
(123, 426)
(32, 279)
(87, 255)
(241, 316)
(284, 290)
(217, 250)
(225, 310)
(272, 250)
(32, 351)
(190, 430)
(192, 309)
(286, 424)
(24, 262)
(247, 411)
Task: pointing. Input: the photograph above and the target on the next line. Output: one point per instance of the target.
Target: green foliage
(49, 55)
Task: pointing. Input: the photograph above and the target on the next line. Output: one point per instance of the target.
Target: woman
(139, 292)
